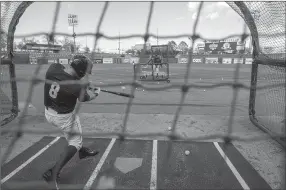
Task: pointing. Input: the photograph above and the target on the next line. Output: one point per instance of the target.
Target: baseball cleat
(86, 152)
(48, 177)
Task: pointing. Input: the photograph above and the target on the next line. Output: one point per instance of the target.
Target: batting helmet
(82, 65)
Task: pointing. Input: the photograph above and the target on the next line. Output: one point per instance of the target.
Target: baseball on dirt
(123, 88)
(187, 152)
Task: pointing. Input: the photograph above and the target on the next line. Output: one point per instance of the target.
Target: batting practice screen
(160, 50)
(151, 72)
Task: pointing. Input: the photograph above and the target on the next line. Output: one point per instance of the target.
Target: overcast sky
(170, 18)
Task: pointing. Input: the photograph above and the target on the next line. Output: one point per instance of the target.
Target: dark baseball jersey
(61, 97)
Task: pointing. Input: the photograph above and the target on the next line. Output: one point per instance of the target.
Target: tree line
(173, 50)
(69, 46)
(66, 43)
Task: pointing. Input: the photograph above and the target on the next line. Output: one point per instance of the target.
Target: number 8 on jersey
(55, 87)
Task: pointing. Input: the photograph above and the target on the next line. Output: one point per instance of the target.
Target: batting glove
(96, 91)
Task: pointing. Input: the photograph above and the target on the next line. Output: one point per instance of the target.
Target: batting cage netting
(266, 22)
(5, 93)
(267, 106)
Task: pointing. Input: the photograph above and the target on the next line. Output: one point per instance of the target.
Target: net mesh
(269, 103)
(269, 20)
(7, 11)
(5, 93)
(266, 31)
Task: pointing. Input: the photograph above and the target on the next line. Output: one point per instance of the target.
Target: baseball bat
(118, 93)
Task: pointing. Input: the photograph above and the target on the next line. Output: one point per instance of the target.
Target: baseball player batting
(60, 101)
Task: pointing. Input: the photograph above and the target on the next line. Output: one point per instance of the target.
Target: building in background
(139, 47)
(33, 47)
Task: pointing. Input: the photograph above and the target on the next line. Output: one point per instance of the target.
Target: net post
(168, 71)
(0, 85)
(152, 65)
(253, 85)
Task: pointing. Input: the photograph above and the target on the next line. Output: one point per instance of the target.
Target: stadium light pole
(74, 35)
(157, 37)
(73, 21)
(191, 44)
(119, 43)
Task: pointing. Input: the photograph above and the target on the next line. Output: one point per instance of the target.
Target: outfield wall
(216, 59)
(63, 58)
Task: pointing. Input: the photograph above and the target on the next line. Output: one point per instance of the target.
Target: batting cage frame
(259, 59)
(155, 50)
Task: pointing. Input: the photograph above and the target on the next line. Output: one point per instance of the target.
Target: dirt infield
(205, 112)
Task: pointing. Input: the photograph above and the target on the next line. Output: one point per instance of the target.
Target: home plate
(126, 165)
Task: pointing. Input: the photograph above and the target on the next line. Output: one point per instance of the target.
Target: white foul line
(29, 161)
(232, 168)
(153, 181)
(99, 165)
